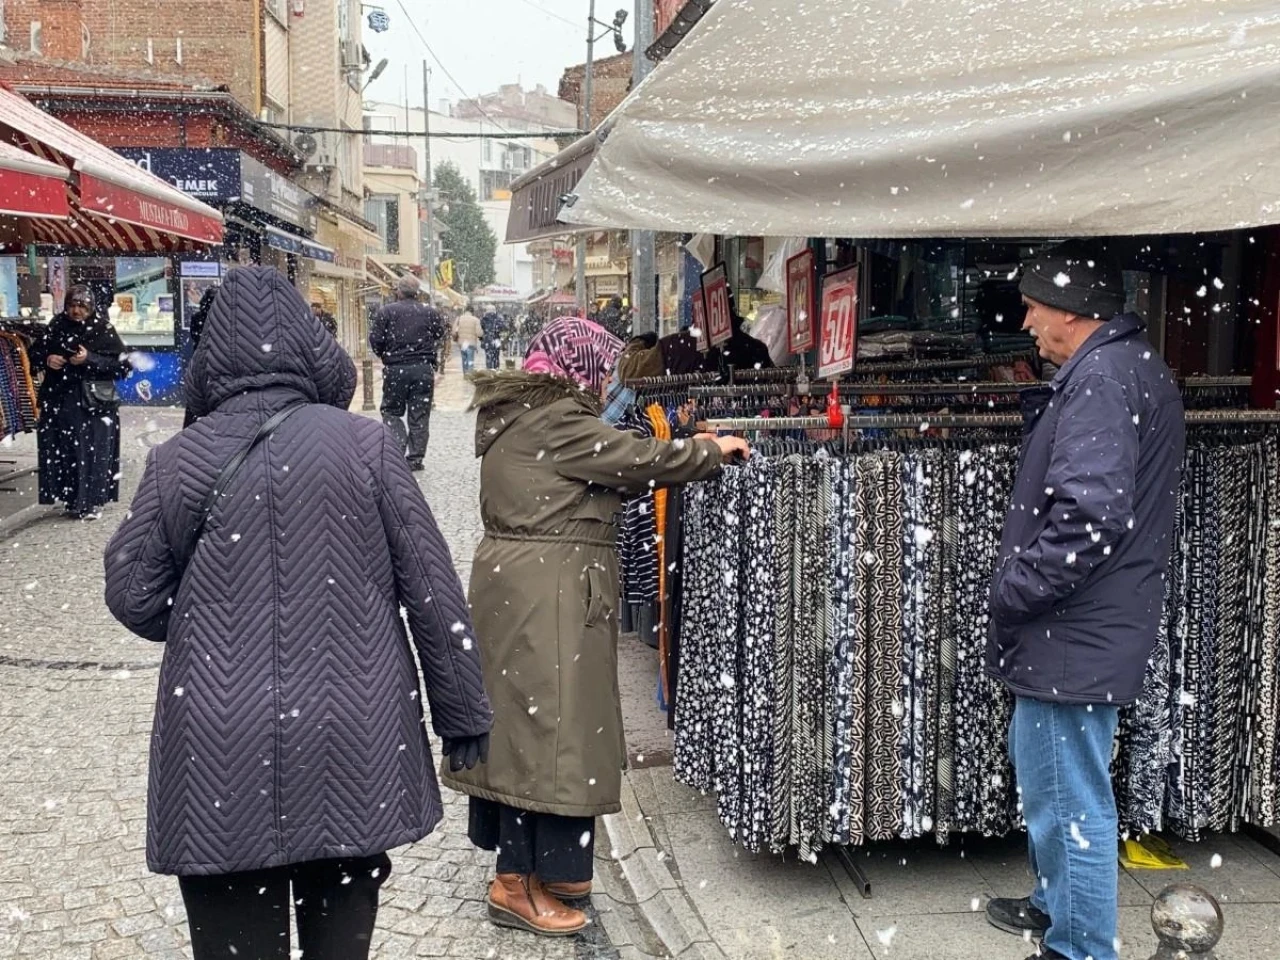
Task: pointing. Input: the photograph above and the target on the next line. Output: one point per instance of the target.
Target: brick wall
(610, 84)
(60, 33)
(220, 40)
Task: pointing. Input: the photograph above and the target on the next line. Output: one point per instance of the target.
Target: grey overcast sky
(484, 43)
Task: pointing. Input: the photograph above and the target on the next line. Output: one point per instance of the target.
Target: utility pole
(429, 260)
(580, 253)
(644, 293)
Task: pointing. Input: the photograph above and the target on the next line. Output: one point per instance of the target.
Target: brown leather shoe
(523, 903)
(569, 891)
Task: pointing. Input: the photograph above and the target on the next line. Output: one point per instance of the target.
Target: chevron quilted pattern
(289, 716)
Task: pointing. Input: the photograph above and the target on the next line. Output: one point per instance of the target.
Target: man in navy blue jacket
(1078, 591)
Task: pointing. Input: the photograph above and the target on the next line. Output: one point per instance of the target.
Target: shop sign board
(715, 287)
(223, 174)
(839, 322)
(211, 175)
(265, 189)
(801, 305)
(699, 328)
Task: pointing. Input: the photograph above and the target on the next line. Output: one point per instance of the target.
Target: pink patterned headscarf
(574, 348)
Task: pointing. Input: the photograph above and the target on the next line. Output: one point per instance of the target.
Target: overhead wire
(445, 70)
(549, 13)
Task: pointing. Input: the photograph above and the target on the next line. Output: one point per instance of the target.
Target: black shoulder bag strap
(235, 463)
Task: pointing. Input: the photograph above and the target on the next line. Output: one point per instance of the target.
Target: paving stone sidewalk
(76, 694)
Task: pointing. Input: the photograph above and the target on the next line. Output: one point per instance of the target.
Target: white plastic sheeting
(896, 118)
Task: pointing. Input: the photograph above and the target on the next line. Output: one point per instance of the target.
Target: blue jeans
(1062, 755)
(468, 359)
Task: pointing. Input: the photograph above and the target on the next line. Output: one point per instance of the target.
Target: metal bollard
(1187, 921)
(366, 371)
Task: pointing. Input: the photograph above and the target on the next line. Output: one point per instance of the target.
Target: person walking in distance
(468, 333)
(492, 326)
(1078, 591)
(406, 335)
(281, 551)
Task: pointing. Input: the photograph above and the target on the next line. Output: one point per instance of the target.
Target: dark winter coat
(407, 332)
(289, 720)
(1078, 592)
(544, 588)
(78, 445)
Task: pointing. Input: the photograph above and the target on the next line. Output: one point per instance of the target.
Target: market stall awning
(31, 187)
(380, 273)
(885, 119)
(114, 204)
(536, 198)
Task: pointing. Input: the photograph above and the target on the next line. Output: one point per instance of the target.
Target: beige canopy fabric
(898, 118)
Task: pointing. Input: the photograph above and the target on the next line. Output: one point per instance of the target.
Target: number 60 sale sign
(839, 322)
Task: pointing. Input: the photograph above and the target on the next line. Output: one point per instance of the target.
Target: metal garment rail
(821, 388)
(644, 384)
(942, 421)
(771, 423)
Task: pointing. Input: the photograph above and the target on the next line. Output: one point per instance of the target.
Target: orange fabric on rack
(662, 431)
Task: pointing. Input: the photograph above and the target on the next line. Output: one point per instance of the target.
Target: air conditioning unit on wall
(352, 54)
(319, 148)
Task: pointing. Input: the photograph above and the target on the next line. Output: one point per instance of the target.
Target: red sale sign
(699, 328)
(839, 322)
(800, 302)
(715, 287)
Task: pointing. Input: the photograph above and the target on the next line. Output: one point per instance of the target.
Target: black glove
(465, 751)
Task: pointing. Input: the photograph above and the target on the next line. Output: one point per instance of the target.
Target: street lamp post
(619, 18)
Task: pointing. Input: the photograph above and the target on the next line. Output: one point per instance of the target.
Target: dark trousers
(557, 849)
(246, 914)
(407, 391)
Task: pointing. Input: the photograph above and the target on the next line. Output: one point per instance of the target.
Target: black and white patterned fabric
(834, 623)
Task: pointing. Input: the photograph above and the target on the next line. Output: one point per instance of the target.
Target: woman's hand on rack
(731, 447)
(56, 361)
(80, 356)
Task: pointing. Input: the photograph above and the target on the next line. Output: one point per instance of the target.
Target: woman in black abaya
(79, 434)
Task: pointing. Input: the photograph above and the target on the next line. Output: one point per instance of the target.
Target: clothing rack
(646, 384)
(975, 387)
(771, 423)
(915, 366)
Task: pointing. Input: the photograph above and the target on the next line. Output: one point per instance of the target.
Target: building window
(493, 181)
(383, 211)
(37, 37)
(277, 10)
(488, 151)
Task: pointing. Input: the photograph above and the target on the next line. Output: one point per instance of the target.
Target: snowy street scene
(692, 480)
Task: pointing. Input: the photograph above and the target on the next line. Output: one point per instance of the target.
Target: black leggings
(246, 915)
(557, 849)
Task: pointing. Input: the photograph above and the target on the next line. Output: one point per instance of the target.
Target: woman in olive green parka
(544, 597)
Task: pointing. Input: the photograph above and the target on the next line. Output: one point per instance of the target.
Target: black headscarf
(95, 334)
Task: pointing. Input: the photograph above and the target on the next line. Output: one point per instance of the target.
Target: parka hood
(503, 396)
(260, 333)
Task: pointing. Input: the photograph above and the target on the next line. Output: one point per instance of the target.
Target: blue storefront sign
(220, 175)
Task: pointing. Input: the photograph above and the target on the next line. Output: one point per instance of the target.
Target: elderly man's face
(1052, 329)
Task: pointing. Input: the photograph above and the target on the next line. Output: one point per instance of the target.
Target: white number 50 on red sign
(839, 322)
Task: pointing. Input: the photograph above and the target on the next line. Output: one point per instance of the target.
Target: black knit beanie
(1077, 277)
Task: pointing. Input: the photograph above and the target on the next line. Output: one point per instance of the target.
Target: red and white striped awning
(31, 187)
(114, 205)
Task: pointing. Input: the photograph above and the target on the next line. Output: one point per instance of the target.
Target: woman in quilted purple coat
(289, 751)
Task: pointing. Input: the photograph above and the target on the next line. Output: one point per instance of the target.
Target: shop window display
(142, 308)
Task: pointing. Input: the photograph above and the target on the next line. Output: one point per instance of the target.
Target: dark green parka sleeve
(584, 447)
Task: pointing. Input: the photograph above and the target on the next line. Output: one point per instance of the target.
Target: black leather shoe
(1046, 954)
(416, 466)
(1017, 916)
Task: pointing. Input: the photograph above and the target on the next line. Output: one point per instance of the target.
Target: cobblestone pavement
(76, 695)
